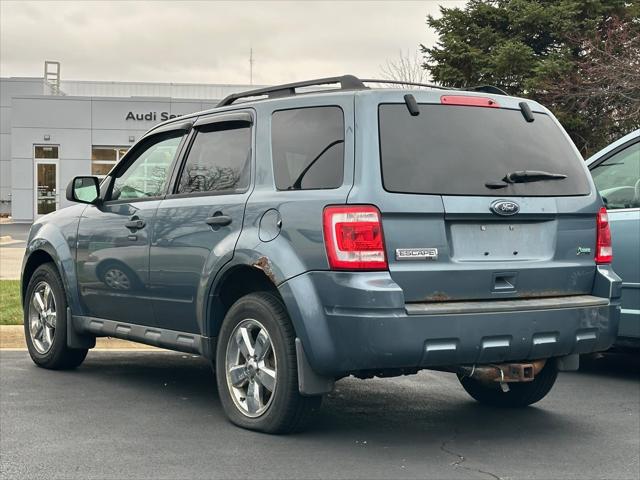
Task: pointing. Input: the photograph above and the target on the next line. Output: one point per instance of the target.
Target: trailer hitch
(504, 372)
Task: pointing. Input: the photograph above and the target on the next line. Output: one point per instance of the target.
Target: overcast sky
(209, 42)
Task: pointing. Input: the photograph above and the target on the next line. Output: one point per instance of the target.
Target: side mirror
(84, 190)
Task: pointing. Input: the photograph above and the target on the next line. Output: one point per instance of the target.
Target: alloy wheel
(42, 317)
(251, 368)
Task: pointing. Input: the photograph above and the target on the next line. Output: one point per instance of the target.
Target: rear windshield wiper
(524, 176)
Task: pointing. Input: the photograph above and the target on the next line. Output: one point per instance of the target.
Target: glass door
(46, 179)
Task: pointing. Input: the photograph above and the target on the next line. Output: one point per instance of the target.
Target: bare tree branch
(603, 87)
(407, 67)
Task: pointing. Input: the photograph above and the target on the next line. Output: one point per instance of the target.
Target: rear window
(455, 150)
(307, 145)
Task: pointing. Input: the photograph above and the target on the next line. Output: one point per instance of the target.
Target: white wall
(9, 88)
(75, 124)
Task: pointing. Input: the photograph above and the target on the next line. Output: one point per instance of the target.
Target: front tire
(45, 321)
(519, 394)
(256, 369)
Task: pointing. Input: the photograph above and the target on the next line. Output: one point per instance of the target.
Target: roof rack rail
(479, 88)
(401, 82)
(347, 82)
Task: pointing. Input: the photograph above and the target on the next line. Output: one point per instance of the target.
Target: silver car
(616, 173)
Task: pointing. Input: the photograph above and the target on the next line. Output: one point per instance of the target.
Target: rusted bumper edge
(497, 306)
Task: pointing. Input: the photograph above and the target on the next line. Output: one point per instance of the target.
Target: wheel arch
(242, 279)
(255, 266)
(33, 261)
(233, 283)
(52, 248)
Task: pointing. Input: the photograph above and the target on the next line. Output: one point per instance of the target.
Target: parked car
(295, 238)
(616, 173)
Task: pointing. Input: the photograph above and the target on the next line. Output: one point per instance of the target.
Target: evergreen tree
(581, 59)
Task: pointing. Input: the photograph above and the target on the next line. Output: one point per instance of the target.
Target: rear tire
(244, 375)
(45, 321)
(519, 394)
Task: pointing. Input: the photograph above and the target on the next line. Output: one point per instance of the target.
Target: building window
(104, 158)
(46, 151)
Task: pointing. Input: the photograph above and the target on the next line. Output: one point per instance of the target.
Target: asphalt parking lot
(156, 415)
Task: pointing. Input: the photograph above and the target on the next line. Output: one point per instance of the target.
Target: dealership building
(53, 130)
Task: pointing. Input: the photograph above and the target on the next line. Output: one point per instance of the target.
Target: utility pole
(251, 66)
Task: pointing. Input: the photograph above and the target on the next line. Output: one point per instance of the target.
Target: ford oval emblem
(504, 207)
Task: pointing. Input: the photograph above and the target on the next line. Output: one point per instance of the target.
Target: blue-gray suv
(295, 236)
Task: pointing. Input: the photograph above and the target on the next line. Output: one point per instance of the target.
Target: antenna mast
(251, 66)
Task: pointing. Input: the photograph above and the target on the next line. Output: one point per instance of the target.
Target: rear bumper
(354, 322)
(629, 331)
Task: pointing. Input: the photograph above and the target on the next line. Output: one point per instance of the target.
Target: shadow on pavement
(176, 375)
(622, 365)
(400, 418)
(396, 412)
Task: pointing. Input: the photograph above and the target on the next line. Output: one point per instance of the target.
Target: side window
(148, 174)
(307, 147)
(618, 178)
(219, 161)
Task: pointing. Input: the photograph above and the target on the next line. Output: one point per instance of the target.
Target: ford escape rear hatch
(495, 203)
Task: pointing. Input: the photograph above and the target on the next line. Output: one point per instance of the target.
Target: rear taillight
(604, 252)
(353, 238)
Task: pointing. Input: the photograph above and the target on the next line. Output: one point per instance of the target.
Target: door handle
(218, 220)
(135, 223)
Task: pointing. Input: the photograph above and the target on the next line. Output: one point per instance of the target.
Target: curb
(11, 242)
(12, 338)
(8, 240)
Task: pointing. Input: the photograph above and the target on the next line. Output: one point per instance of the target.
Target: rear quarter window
(307, 146)
(455, 150)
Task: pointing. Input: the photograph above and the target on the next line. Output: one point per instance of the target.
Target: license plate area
(503, 241)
